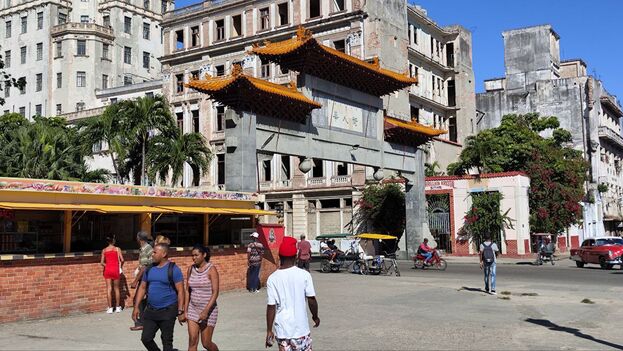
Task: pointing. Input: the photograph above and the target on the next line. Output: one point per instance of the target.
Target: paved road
(424, 310)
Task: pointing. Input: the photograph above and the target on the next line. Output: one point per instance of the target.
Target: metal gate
(438, 211)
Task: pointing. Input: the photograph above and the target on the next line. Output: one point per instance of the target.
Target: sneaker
(109, 310)
(493, 292)
(117, 309)
(256, 291)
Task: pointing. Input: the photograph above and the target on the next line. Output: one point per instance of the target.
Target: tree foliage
(46, 148)
(557, 171)
(485, 218)
(382, 209)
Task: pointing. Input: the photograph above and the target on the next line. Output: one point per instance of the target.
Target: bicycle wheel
(396, 270)
(325, 267)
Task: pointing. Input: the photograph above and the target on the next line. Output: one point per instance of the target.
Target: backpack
(488, 256)
(169, 275)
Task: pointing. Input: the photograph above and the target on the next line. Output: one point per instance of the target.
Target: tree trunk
(114, 166)
(143, 163)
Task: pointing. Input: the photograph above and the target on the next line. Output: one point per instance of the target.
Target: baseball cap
(255, 235)
(288, 247)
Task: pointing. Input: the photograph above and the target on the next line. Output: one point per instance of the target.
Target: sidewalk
(503, 260)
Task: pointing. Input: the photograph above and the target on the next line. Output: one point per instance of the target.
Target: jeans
(427, 255)
(489, 271)
(304, 264)
(253, 277)
(163, 319)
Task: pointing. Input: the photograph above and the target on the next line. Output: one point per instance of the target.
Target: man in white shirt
(289, 290)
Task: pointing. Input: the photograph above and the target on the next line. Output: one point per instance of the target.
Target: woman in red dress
(112, 261)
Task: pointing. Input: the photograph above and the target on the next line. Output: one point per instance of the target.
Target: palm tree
(167, 156)
(107, 128)
(143, 117)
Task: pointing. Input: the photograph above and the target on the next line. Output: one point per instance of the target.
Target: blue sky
(592, 31)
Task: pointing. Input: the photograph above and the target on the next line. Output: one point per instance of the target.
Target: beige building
(208, 38)
(67, 50)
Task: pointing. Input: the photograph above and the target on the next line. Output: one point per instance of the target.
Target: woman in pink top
(202, 285)
(112, 261)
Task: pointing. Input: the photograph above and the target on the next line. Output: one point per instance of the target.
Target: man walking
(144, 261)
(255, 251)
(488, 256)
(286, 314)
(165, 299)
(304, 253)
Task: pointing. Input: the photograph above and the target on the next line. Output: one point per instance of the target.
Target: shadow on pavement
(576, 332)
(529, 263)
(472, 289)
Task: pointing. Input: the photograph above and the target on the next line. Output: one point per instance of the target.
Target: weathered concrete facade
(69, 50)
(537, 81)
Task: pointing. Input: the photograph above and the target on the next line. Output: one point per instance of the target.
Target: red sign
(271, 235)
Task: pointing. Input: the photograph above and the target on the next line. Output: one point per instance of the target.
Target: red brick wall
(511, 248)
(575, 241)
(526, 245)
(42, 288)
(461, 248)
(562, 244)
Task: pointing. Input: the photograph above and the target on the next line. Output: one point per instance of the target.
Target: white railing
(317, 181)
(344, 179)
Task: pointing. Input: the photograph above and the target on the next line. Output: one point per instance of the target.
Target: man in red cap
(289, 290)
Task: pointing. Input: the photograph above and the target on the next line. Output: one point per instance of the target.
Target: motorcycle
(435, 261)
(545, 254)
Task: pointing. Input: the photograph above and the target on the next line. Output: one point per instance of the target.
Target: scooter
(435, 261)
(545, 254)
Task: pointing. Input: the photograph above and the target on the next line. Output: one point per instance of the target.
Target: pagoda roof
(305, 54)
(409, 133)
(242, 92)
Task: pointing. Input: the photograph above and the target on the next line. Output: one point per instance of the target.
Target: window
(39, 82)
(267, 173)
(220, 169)
(340, 45)
(24, 24)
(22, 90)
(81, 47)
(220, 118)
(163, 6)
(314, 8)
(220, 29)
(81, 79)
(194, 75)
(59, 80)
(79, 106)
(179, 83)
(145, 60)
(7, 29)
(236, 26)
(194, 36)
(338, 5)
(7, 89)
(149, 94)
(39, 20)
(38, 110)
(146, 4)
(265, 70)
(195, 115)
(7, 59)
(106, 21)
(179, 118)
(179, 39)
(285, 167)
(59, 49)
(220, 70)
(264, 18)
(104, 81)
(105, 51)
(84, 19)
(282, 14)
(113, 100)
(62, 18)
(7, 3)
(39, 51)
(22, 111)
(59, 109)
(415, 114)
(318, 168)
(127, 24)
(22, 52)
(127, 55)
(127, 80)
(146, 30)
(452, 128)
(434, 90)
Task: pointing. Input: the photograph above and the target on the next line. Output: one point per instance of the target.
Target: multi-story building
(208, 38)
(68, 49)
(536, 80)
(441, 58)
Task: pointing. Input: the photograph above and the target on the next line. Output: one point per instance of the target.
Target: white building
(67, 50)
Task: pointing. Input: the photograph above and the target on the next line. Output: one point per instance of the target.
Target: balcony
(613, 137)
(276, 185)
(435, 60)
(80, 115)
(82, 28)
(341, 180)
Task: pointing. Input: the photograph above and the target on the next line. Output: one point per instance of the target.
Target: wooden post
(145, 225)
(253, 221)
(206, 229)
(67, 231)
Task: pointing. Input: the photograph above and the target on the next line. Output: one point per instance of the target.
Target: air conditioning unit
(245, 236)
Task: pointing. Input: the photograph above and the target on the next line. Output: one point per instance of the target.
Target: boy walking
(488, 256)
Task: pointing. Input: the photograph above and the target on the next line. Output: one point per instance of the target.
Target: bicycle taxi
(335, 257)
(372, 263)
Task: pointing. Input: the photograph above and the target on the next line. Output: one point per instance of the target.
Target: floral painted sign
(119, 189)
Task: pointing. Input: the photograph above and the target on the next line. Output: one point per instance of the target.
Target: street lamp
(305, 165)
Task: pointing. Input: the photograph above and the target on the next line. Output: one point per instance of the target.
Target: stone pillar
(415, 206)
(299, 216)
(206, 229)
(240, 155)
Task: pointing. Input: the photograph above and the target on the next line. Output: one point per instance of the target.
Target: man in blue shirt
(163, 284)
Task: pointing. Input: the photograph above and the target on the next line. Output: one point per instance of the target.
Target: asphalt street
(537, 308)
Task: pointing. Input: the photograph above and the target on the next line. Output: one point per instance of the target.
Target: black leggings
(163, 319)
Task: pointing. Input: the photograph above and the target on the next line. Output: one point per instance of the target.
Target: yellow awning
(376, 236)
(250, 211)
(214, 210)
(48, 207)
(133, 209)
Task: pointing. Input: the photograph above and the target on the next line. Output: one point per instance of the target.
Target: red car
(606, 252)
